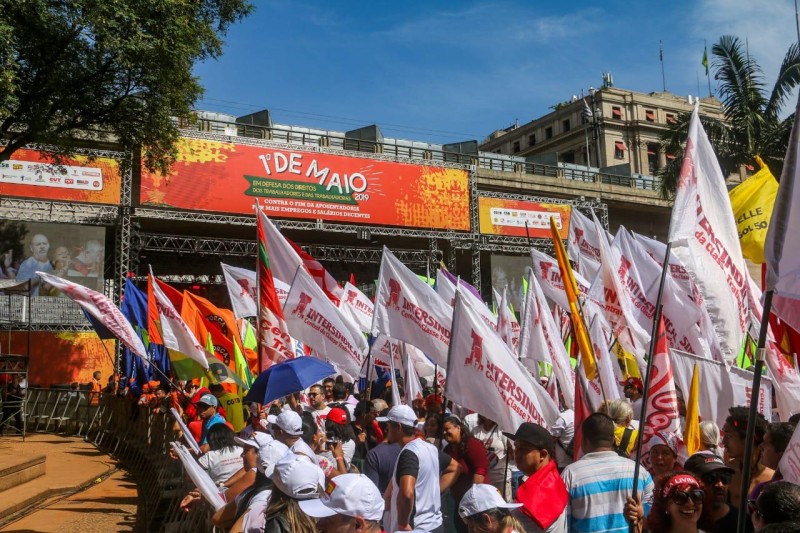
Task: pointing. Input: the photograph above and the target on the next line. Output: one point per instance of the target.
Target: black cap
(533, 434)
(705, 462)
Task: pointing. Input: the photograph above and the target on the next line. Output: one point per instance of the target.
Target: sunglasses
(313, 394)
(682, 498)
(712, 478)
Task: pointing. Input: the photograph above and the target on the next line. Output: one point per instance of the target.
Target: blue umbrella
(287, 377)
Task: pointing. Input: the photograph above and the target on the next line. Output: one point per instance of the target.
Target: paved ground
(107, 506)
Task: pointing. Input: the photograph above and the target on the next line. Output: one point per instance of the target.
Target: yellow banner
(752, 202)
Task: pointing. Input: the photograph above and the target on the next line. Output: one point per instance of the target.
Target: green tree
(113, 70)
(752, 122)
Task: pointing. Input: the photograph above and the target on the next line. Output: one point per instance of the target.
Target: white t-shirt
(427, 499)
(564, 430)
(319, 417)
(222, 464)
(348, 450)
(301, 448)
(496, 445)
(255, 516)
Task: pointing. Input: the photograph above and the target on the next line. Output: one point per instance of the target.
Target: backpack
(622, 447)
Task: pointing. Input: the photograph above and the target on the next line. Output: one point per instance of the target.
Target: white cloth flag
(314, 320)
(605, 385)
(413, 386)
(583, 243)
(382, 348)
(540, 341)
(243, 289)
(716, 391)
(782, 247)
(408, 309)
(101, 308)
(742, 386)
(790, 461)
(608, 292)
(174, 331)
(704, 237)
(355, 305)
(503, 325)
(208, 489)
(545, 268)
(485, 376)
(662, 403)
(447, 290)
(284, 260)
(656, 250)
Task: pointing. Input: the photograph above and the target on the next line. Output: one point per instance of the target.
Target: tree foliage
(752, 124)
(116, 70)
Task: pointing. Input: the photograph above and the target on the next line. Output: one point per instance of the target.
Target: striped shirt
(598, 486)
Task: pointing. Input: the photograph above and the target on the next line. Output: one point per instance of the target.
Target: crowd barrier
(132, 434)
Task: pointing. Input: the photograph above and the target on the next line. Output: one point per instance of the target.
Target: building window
(652, 157)
(531, 139)
(516, 146)
(649, 115)
(548, 132)
(616, 112)
(671, 118)
(619, 150)
(568, 157)
(565, 125)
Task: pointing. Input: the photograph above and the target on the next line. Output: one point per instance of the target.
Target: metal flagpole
(646, 391)
(751, 416)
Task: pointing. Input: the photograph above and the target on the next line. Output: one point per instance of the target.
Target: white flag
(661, 413)
(313, 319)
(583, 243)
(790, 460)
(176, 334)
(447, 290)
(605, 385)
(413, 386)
(546, 270)
(242, 289)
(485, 376)
(540, 341)
(782, 246)
(716, 392)
(704, 236)
(355, 305)
(408, 309)
(607, 290)
(386, 352)
(101, 308)
(503, 325)
(742, 386)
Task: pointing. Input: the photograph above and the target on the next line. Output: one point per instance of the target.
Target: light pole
(596, 115)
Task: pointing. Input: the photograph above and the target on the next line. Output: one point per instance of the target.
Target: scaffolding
(15, 315)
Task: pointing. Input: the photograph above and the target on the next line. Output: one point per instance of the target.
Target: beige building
(623, 126)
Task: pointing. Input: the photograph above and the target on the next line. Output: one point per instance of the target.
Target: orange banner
(227, 177)
(31, 174)
(508, 217)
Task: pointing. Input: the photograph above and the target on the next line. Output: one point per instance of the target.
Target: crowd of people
(328, 459)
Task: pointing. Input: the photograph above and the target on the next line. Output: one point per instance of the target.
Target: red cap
(633, 382)
(337, 416)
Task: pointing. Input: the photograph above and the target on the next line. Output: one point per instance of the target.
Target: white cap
(401, 414)
(349, 495)
(289, 421)
(269, 455)
(258, 439)
(480, 498)
(297, 477)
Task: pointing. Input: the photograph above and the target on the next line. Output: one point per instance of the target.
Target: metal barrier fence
(136, 436)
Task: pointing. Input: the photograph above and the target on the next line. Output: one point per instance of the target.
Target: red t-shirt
(473, 461)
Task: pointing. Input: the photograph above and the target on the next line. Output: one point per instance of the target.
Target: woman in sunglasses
(677, 505)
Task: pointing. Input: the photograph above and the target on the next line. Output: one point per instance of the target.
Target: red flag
(661, 412)
(582, 412)
(153, 319)
(352, 279)
(275, 344)
(327, 283)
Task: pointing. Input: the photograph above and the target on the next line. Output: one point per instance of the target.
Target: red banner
(227, 177)
(31, 174)
(508, 217)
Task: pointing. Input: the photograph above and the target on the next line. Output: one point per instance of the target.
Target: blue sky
(451, 71)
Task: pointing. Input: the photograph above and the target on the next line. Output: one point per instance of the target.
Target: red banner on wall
(227, 177)
(32, 174)
(509, 217)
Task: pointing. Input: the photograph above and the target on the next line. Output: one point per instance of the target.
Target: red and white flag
(174, 331)
(503, 325)
(243, 290)
(604, 386)
(546, 270)
(484, 375)
(540, 342)
(408, 309)
(385, 350)
(782, 246)
(607, 290)
(583, 244)
(704, 237)
(286, 256)
(413, 386)
(314, 320)
(355, 305)
(661, 412)
(101, 308)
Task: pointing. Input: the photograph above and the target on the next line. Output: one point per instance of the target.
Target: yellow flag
(629, 366)
(752, 202)
(691, 434)
(571, 288)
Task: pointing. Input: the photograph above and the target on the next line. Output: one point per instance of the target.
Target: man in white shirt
(319, 405)
(287, 428)
(633, 389)
(563, 432)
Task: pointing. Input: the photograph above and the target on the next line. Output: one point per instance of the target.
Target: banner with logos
(499, 216)
(227, 177)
